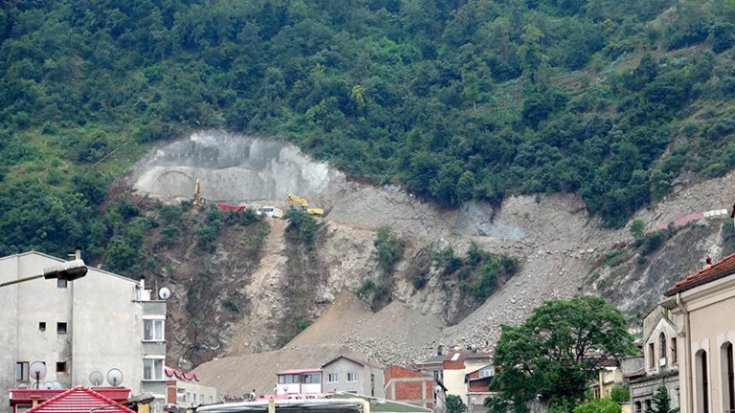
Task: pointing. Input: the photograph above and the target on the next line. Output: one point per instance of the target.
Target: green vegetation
(598, 406)
(301, 227)
(455, 404)
(556, 352)
(456, 100)
(661, 401)
(390, 249)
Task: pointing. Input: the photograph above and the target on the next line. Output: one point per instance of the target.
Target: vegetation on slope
(456, 100)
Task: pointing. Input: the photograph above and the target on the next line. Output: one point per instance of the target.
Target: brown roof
(720, 269)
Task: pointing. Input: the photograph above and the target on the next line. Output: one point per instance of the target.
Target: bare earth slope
(555, 240)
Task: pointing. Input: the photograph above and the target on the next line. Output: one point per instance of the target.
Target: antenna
(164, 293)
(114, 377)
(37, 371)
(96, 378)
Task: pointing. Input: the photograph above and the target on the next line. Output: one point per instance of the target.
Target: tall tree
(553, 355)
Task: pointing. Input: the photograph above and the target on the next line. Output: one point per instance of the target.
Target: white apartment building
(94, 324)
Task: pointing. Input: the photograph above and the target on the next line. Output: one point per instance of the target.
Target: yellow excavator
(198, 200)
(304, 204)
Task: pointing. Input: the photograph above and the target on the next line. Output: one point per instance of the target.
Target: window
(488, 372)
(702, 382)
(351, 377)
(638, 407)
(42, 326)
(648, 404)
(152, 369)
(673, 351)
(61, 328)
(288, 378)
(61, 283)
(21, 371)
(152, 330)
(728, 380)
(662, 350)
(312, 378)
(61, 367)
(651, 356)
(332, 377)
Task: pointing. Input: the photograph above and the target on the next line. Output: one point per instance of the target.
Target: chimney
(708, 262)
(78, 253)
(440, 350)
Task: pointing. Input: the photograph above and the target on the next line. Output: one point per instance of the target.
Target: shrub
(367, 288)
(390, 249)
(170, 234)
(170, 213)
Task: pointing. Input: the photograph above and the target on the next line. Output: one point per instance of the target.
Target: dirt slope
(555, 240)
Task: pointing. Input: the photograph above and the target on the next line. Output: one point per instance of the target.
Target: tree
(455, 404)
(661, 401)
(557, 351)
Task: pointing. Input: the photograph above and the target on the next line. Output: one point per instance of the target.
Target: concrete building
(299, 381)
(451, 368)
(345, 374)
(185, 390)
(409, 386)
(478, 388)
(660, 362)
(702, 307)
(94, 324)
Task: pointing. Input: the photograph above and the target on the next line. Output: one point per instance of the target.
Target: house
(452, 367)
(21, 400)
(184, 389)
(81, 332)
(478, 388)
(351, 375)
(660, 362)
(702, 306)
(299, 381)
(409, 386)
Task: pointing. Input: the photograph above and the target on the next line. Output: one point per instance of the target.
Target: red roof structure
(171, 372)
(79, 399)
(720, 269)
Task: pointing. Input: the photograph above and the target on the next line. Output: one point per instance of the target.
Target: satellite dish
(96, 378)
(114, 377)
(51, 385)
(37, 371)
(164, 293)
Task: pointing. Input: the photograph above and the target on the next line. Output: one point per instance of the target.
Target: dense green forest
(455, 99)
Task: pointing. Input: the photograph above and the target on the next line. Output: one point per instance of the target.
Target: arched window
(702, 381)
(662, 350)
(728, 381)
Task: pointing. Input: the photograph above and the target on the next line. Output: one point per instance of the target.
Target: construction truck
(304, 205)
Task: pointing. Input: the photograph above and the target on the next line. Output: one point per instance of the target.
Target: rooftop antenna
(96, 378)
(38, 371)
(114, 377)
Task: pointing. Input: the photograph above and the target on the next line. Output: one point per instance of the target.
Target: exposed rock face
(557, 244)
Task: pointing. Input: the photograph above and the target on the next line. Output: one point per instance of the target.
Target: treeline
(457, 100)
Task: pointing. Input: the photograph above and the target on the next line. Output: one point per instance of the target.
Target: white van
(271, 212)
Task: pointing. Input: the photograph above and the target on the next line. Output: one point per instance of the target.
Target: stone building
(409, 386)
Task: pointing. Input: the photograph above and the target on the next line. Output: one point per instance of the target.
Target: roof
(359, 362)
(172, 372)
(298, 371)
(79, 399)
(720, 269)
(382, 405)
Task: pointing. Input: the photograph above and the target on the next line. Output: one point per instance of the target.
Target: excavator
(198, 200)
(304, 204)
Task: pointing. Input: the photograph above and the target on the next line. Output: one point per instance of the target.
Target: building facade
(345, 374)
(409, 386)
(80, 330)
(452, 367)
(185, 390)
(702, 306)
(299, 381)
(478, 388)
(660, 362)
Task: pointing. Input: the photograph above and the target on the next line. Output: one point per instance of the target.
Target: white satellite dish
(164, 293)
(96, 378)
(51, 385)
(114, 377)
(37, 371)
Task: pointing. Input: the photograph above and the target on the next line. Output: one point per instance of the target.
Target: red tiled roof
(171, 372)
(722, 268)
(79, 399)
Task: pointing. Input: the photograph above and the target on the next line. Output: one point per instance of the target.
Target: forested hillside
(455, 99)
